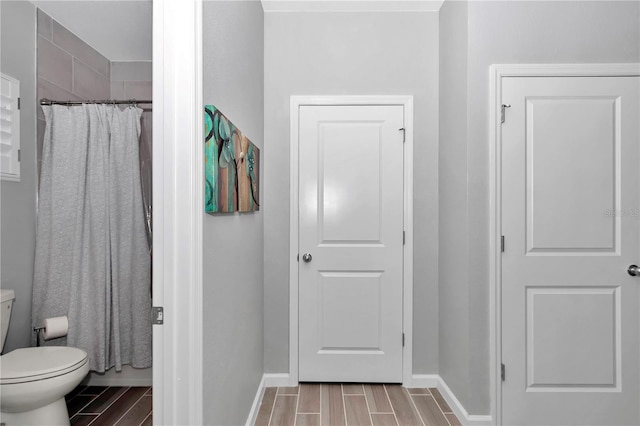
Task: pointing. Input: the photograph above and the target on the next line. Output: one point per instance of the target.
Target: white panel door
(570, 218)
(351, 224)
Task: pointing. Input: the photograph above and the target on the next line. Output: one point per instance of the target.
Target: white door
(570, 218)
(351, 226)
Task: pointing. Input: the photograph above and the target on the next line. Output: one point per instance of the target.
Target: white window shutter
(9, 128)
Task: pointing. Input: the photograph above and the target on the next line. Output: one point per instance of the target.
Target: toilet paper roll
(55, 327)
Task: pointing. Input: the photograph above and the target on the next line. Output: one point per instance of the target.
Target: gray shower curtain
(92, 258)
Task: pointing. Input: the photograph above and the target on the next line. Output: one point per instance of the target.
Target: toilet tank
(6, 301)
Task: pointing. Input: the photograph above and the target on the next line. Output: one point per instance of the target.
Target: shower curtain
(92, 258)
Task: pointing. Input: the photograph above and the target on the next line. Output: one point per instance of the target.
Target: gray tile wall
(67, 66)
(68, 69)
(131, 80)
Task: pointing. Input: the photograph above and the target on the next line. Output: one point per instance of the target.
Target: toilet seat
(32, 364)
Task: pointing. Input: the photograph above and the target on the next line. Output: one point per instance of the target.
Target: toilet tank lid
(6, 295)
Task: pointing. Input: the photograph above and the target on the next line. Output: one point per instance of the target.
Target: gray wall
(351, 54)
(453, 294)
(505, 32)
(18, 199)
(233, 243)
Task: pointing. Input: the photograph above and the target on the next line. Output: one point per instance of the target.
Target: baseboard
(255, 407)
(110, 381)
(423, 381)
(127, 377)
(434, 380)
(272, 380)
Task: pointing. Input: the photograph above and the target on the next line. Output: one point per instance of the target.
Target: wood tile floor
(350, 404)
(102, 405)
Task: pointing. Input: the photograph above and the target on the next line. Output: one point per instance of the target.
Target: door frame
(497, 73)
(178, 188)
(407, 314)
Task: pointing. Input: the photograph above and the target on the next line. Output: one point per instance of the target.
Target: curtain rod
(45, 101)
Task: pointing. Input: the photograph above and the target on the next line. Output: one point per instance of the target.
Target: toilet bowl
(34, 381)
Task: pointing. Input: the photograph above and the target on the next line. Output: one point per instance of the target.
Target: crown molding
(351, 5)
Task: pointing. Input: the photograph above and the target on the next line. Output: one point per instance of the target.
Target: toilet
(34, 381)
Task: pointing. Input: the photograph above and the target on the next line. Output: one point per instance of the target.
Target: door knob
(307, 257)
(633, 270)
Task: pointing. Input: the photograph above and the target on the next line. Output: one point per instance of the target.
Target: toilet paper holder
(52, 328)
(37, 331)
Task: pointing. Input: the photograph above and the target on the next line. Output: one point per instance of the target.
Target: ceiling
(351, 5)
(119, 29)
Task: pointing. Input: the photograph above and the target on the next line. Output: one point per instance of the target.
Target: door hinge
(502, 112)
(502, 243)
(403, 340)
(19, 156)
(298, 257)
(404, 239)
(503, 373)
(157, 315)
(18, 103)
(404, 133)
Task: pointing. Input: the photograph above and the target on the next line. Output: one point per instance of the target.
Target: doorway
(350, 268)
(104, 76)
(567, 224)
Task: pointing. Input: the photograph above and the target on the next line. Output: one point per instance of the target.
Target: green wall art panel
(232, 166)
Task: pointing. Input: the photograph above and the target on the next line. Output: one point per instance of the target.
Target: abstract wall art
(232, 166)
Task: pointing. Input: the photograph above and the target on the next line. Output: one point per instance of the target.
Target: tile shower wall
(132, 80)
(68, 69)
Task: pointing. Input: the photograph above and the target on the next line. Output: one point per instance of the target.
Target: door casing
(497, 72)
(407, 314)
(178, 216)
